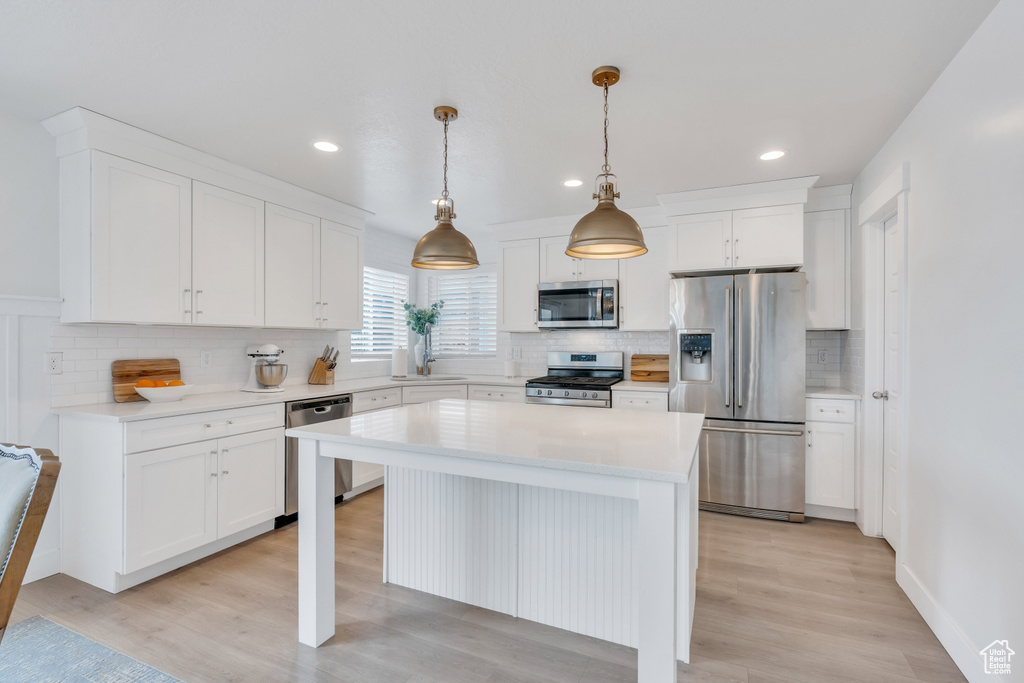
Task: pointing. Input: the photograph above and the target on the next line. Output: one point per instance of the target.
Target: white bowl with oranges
(158, 391)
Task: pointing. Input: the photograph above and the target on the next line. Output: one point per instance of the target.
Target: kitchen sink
(431, 378)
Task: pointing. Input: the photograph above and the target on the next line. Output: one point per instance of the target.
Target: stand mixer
(267, 374)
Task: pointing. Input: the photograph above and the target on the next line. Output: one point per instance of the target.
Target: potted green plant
(420, 320)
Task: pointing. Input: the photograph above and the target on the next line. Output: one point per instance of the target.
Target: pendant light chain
(606, 168)
(444, 195)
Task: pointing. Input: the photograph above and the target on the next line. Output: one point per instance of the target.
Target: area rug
(37, 650)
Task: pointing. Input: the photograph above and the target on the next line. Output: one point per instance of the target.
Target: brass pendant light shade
(444, 247)
(607, 232)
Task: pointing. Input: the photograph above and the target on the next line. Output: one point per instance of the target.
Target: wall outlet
(55, 362)
(205, 359)
(508, 353)
(822, 356)
(517, 353)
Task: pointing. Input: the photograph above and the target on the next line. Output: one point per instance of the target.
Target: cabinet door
(170, 502)
(518, 276)
(251, 480)
(640, 400)
(825, 265)
(141, 243)
(293, 268)
(597, 268)
(411, 395)
(227, 257)
(770, 236)
(555, 266)
(341, 276)
(644, 283)
(703, 241)
(830, 464)
(497, 393)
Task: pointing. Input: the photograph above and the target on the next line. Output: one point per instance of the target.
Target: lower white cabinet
(183, 497)
(640, 400)
(424, 394)
(831, 466)
(497, 393)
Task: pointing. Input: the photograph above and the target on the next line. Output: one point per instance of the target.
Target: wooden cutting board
(651, 367)
(125, 373)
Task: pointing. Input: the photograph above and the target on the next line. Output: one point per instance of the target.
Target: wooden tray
(648, 367)
(125, 373)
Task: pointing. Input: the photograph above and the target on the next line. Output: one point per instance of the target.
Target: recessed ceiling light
(573, 183)
(325, 146)
(772, 156)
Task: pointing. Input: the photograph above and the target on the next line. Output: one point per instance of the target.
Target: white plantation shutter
(383, 314)
(469, 319)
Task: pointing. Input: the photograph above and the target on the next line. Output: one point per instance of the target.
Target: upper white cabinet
(126, 241)
(518, 277)
(227, 257)
(556, 266)
(744, 238)
(826, 258)
(341, 276)
(644, 283)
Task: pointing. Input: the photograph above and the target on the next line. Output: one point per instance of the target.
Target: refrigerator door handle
(739, 341)
(728, 337)
(769, 432)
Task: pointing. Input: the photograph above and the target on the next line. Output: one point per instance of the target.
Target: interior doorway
(891, 393)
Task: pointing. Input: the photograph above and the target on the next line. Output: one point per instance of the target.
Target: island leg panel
(316, 545)
(657, 538)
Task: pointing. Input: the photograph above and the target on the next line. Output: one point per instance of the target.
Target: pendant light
(444, 247)
(606, 232)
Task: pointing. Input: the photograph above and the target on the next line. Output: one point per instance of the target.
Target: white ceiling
(707, 85)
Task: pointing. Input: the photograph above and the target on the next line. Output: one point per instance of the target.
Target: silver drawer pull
(768, 432)
(231, 422)
(207, 425)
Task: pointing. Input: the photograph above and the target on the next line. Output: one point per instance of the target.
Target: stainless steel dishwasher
(299, 414)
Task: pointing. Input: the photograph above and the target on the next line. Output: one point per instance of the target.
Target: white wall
(964, 472)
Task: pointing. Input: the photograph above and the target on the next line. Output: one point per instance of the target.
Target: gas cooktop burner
(558, 381)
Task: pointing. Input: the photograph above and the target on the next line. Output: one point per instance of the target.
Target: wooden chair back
(47, 467)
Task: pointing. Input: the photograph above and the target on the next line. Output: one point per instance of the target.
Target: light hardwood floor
(776, 603)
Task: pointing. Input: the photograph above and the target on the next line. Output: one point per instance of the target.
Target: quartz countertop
(226, 400)
(644, 445)
(831, 392)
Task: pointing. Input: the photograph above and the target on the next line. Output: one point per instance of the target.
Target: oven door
(578, 304)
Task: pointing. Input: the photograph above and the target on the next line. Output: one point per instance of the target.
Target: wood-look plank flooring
(776, 603)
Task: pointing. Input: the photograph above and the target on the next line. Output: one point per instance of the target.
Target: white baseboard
(966, 655)
(363, 488)
(828, 512)
(42, 565)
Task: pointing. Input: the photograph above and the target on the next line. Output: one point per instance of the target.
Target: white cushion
(19, 469)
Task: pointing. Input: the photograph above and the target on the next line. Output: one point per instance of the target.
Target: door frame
(889, 199)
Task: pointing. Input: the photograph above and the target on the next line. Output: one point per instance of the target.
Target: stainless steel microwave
(562, 305)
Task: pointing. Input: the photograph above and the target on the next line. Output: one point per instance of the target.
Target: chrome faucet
(428, 356)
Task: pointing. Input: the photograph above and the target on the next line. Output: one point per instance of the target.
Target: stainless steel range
(577, 379)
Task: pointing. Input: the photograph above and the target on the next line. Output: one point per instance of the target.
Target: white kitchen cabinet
(518, 277)
(293, 268)
(250, 485)
(170, 503)
(227, 257)
(126, 241)
(640, 400)
(504, 394)
(423, 394)
(556, 266)
(826, 259)
(644, 283)
(341, 276)
(831, 466)
(744, 238)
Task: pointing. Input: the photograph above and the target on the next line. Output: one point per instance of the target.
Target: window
(469, 319)
(383, 315)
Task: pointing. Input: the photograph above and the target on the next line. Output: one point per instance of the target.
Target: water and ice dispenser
(695, 356)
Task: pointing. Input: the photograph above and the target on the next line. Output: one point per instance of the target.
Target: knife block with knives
(323, 368)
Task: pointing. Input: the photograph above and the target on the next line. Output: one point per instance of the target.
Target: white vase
(418, 350)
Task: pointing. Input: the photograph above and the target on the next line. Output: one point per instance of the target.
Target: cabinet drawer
(640, 400)
(374, 400)
(146, 435)
(497, 393)
(831, 410)
(425, 394)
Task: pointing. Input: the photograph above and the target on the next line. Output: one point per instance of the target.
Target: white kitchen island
(582, 518)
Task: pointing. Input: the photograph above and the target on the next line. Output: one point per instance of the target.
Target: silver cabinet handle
(728, 334)
(536, 317)
(198, 292)
(884, 395)
(188, 300)
(208, 425)
(739, 335)
(224, 472)
(323, 318)
(213, 474)
(318, 311)
(736, 250)
(768, 432)
(622, 314)
(725, 252)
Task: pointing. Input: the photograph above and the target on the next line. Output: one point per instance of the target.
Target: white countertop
(831, 392)
(629, 385)
(225, 400)
(627, 443)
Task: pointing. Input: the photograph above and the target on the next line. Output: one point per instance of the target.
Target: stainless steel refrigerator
(738, 355)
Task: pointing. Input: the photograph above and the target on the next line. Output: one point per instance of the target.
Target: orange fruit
(145, 383)
(159, 383)
(175, 383)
